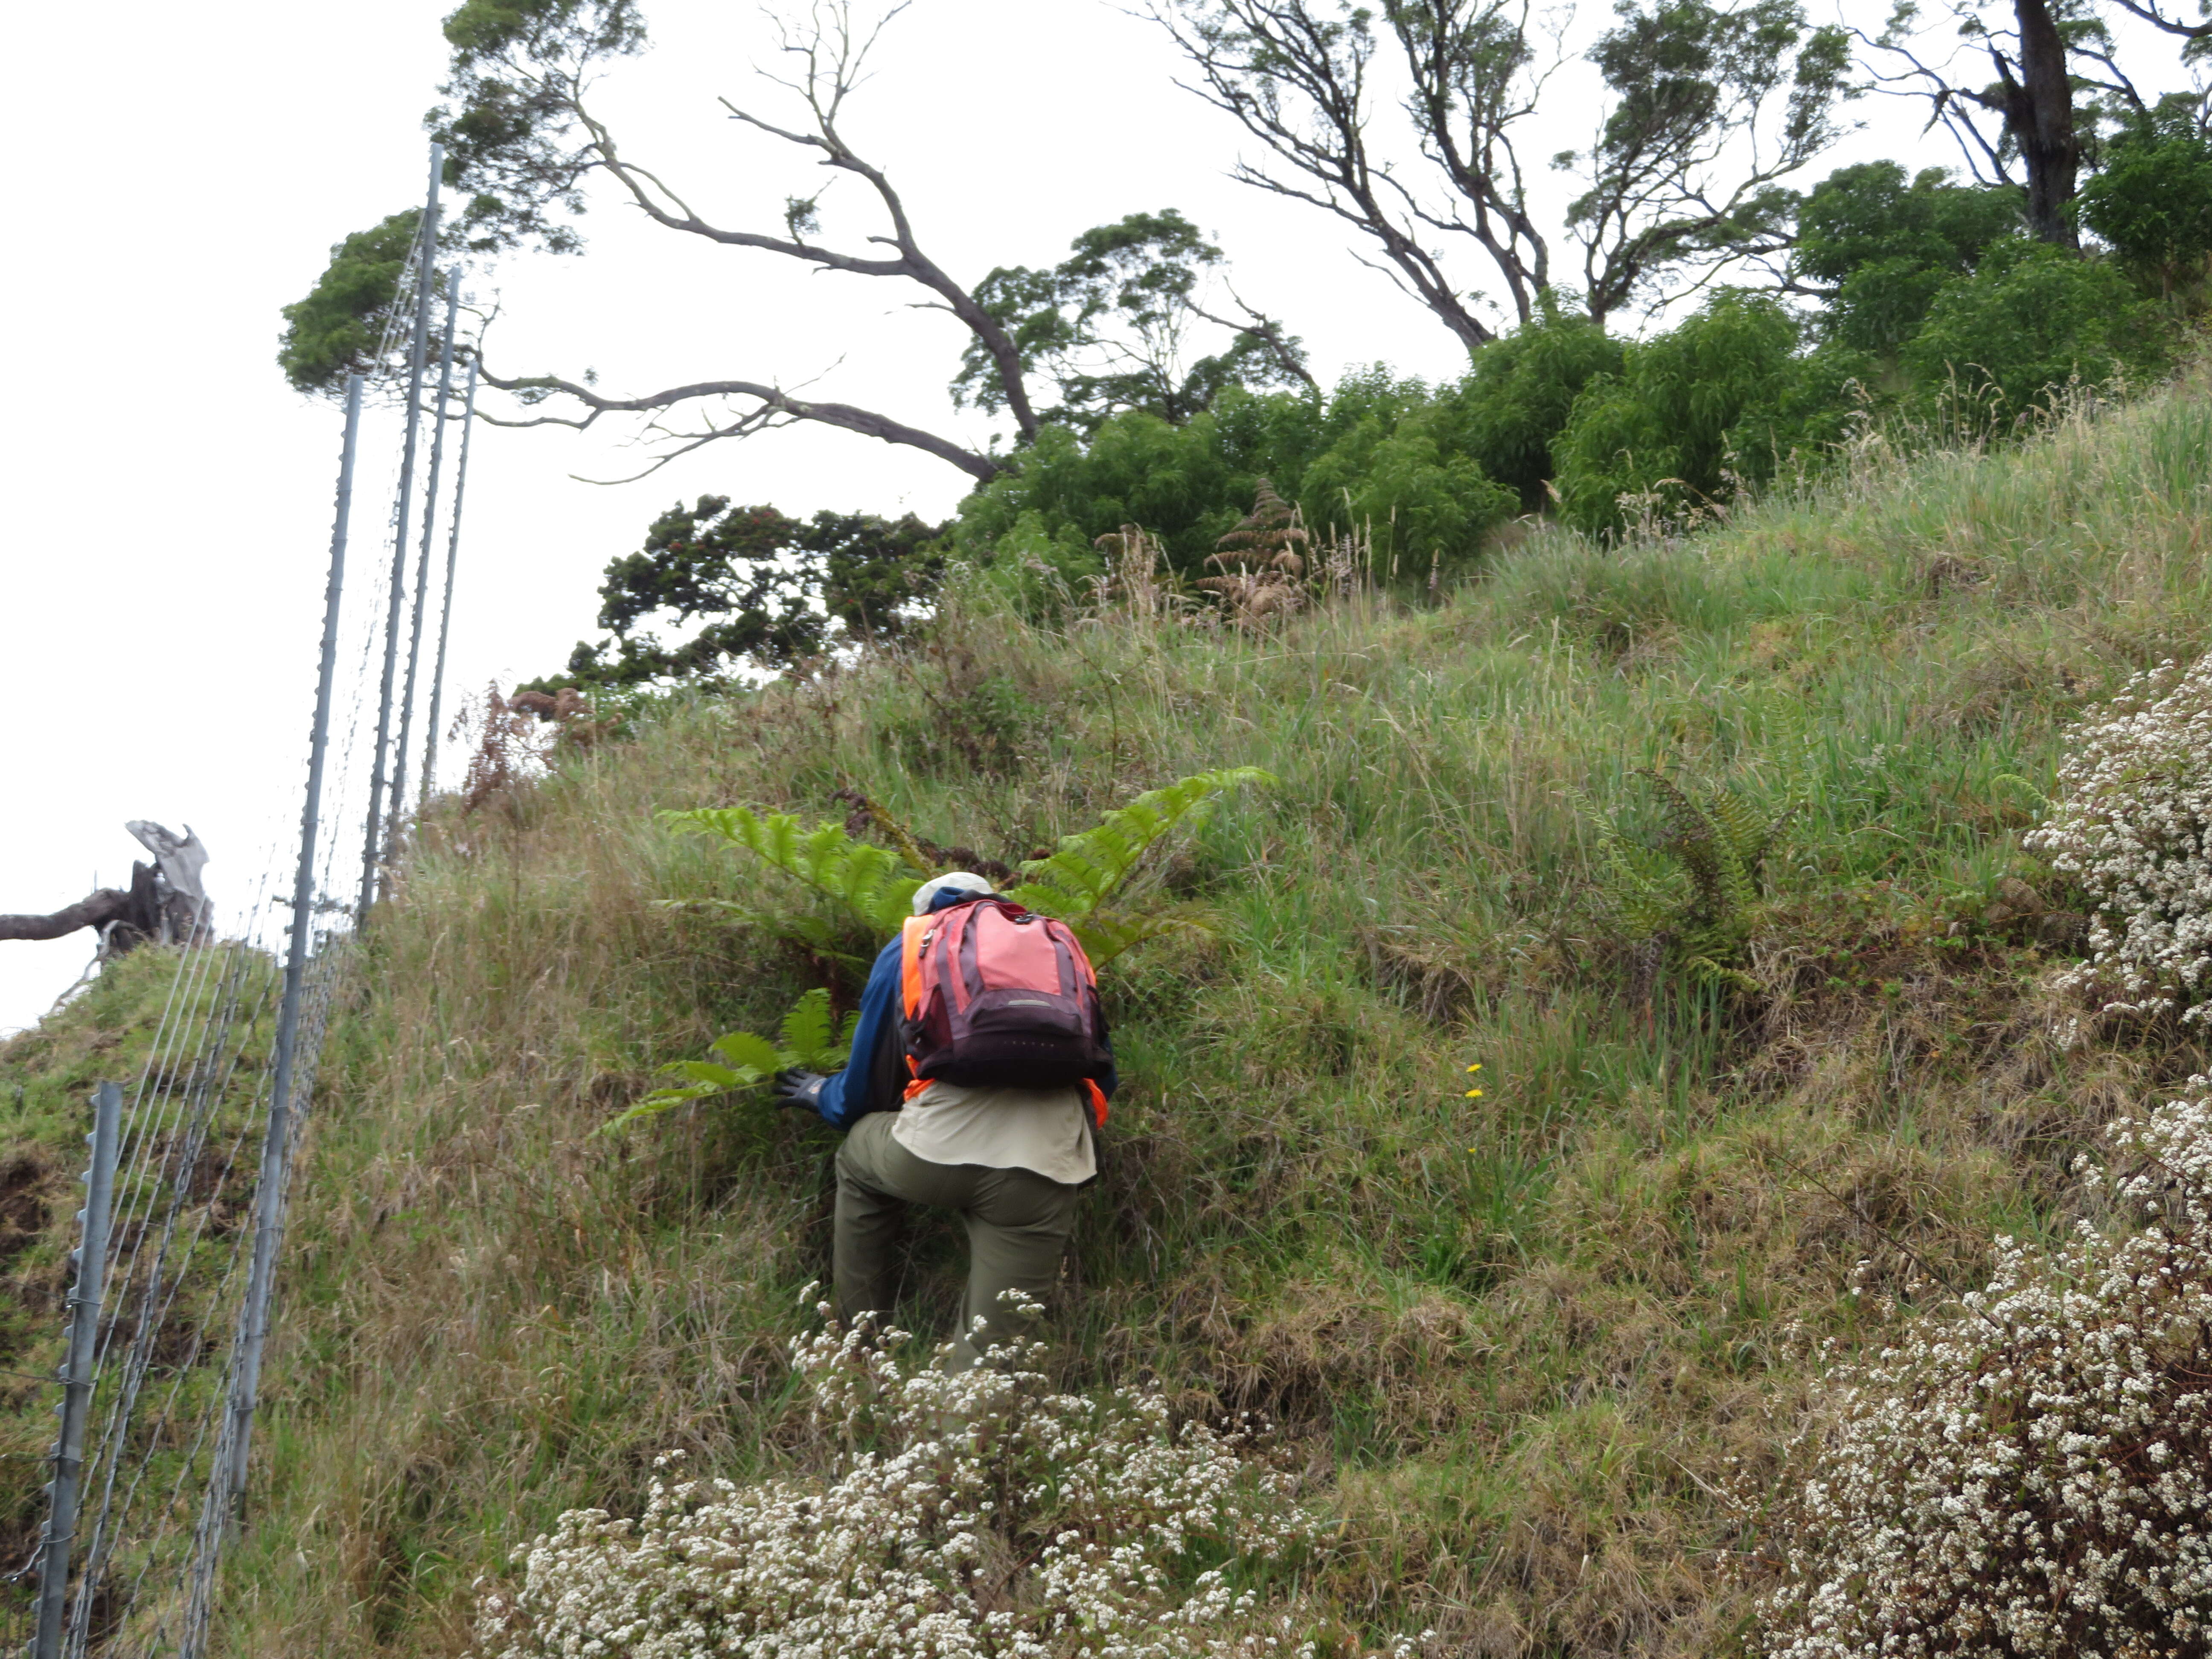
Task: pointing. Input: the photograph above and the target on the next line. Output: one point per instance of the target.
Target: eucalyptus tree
(524, 141)
(1707, 109)
(1110, 327)
(2058, 76)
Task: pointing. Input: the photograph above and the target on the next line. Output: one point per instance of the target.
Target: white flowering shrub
(2133, 825)
(976, 1514)
(2033, 1476)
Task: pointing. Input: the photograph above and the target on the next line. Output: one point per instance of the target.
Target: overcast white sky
(164, 527)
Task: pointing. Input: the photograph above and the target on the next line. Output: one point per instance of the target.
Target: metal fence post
(373, 841)
(276, 1142)
(446, 611)
(423, 566)
(80, 1341)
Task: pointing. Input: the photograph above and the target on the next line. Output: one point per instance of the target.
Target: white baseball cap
(958, 881)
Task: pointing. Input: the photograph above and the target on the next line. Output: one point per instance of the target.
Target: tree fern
(877, 888)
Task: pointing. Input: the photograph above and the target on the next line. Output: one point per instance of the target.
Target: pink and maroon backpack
(994, 995)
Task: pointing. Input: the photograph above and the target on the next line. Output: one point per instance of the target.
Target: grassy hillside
(190, 1047)
(1519, 1343)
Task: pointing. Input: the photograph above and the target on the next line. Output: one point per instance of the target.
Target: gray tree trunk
(165, 903)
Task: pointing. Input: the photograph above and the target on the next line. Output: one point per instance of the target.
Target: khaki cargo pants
(1019, 1224)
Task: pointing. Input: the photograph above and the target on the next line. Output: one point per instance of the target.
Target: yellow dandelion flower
(1476, 1066)
(1475, 1094)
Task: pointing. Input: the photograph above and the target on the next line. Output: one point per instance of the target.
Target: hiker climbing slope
(979, 1072)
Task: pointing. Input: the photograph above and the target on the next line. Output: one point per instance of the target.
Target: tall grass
(1521, 1344)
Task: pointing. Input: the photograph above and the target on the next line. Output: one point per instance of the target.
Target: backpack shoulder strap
(1065, 935)
(911, 932)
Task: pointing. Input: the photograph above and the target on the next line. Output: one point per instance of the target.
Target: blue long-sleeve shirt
(848, 1096)
(873, 1080)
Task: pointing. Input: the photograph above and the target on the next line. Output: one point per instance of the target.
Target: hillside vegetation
(1535, 1348)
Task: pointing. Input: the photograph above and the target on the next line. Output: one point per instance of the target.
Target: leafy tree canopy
(2152, 203)
(1686, 75)
(1706, 110)
(1880, 247)
(516, 145)
(1521, 389)
(1860, 215)
(1109, 327)
(776, 591)
(338, 329)
(1724, 394)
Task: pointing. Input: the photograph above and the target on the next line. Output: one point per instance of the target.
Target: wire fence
(172, 1284)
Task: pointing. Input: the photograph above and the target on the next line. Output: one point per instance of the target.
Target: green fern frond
(1704, 920)
(1748, 836)
(653, 1105)
(877, 886)
(1105, 935)
(1636, 904)
(707, 1079)
(814, 935)
(812, 1038)
(1703, 851)
(1706, 968)
(1073, 881)
(748, 1053)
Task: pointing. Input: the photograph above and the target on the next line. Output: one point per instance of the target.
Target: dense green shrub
(1669, 426)
(1182, 482)
(2152, 204)
(1886, 247)
(2032, 318)
(1382, 450)
(1814, 405)
(1515, 400)
(1409, 486)
(1934, 297)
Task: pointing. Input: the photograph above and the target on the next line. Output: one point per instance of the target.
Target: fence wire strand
(159, 1504)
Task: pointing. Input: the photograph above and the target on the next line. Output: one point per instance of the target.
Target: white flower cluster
(2133, 826)
(2033, 1476)
(977, 1513)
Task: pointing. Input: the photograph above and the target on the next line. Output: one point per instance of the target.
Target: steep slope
(1521, 1340)
(187, 1034)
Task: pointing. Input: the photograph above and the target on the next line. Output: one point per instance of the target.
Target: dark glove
(797, 1088)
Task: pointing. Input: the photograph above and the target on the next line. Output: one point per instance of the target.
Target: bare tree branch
(1708, 108)
(1466, 69)
(1269, 333)
(774, 401)
(2158, 19)
(1245, 61)
(164, 901)
(96, 909)
(830, 57)
(2033, 98)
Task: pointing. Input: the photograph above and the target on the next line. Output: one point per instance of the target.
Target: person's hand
(797, 1088)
